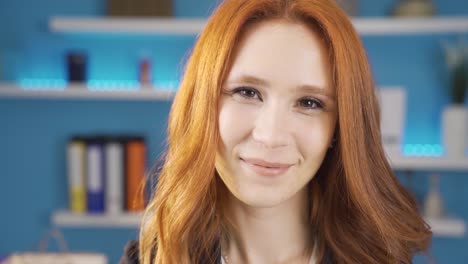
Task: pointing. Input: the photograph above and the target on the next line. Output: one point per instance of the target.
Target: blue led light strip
(423, 150)
(93, 85)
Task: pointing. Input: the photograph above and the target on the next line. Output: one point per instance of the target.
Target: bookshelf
(441, 227)
(182, 26)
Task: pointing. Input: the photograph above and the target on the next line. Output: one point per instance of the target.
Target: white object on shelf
(82, 92)
(447, 227)
(455, 130)
(433, 206)
(393, 112)
(365, 26)
(124, 220)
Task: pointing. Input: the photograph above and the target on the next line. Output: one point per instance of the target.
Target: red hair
(359, 211)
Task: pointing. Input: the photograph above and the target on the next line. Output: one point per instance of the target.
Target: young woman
(274, 148)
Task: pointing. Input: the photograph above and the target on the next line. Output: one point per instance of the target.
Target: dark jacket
(131, 255)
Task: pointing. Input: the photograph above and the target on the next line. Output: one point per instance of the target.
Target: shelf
(169, 26)
(181, 26)
(428, 163)
(440, 227)
(398, 26)
(450, 227)
(82, 92)
(68, 219)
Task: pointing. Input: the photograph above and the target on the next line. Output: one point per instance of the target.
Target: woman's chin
(260, 198)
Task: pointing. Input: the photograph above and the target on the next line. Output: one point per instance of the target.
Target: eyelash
(242, 90)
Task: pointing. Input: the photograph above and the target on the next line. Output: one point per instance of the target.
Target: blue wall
(33, 133)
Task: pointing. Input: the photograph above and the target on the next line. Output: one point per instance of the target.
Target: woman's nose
(271, 127)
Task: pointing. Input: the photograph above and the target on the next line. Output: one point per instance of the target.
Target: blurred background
(91, 73)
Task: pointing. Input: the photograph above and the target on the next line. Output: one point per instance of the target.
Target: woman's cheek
(313, 135)
(235, 121)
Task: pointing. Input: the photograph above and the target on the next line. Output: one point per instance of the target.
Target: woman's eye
(310, 103)
(248, 93)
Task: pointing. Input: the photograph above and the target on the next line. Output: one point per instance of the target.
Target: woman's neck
(280, 234)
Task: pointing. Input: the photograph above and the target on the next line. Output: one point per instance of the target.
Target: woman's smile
(265, 168)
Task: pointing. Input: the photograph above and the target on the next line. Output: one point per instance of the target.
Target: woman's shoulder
(130, 254)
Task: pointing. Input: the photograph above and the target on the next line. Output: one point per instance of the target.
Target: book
(95, 176)
(76, 167)
(114, 154)
(135, 157)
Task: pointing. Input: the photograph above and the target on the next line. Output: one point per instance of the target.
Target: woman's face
(277, 114)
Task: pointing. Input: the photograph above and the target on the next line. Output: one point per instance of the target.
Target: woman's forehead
(281, 53)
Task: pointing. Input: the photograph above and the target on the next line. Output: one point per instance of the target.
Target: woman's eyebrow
(249, 79)
(315, 89)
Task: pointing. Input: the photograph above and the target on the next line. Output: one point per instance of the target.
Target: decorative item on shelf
(433, 204)
(350, 6)
(144, 72)
(393, 113)
(64, 256)
(414, 8)
(76, 67)
(455, 115)
(145, 8)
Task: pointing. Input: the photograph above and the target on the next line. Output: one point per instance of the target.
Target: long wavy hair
(359, 211)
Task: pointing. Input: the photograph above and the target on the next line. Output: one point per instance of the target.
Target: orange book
(135, 156)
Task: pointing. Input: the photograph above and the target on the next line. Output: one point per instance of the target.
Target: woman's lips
(265, 168)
